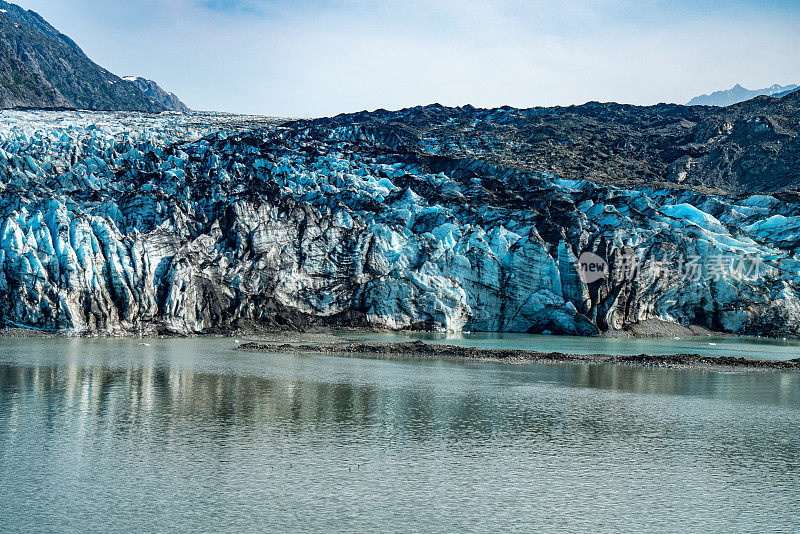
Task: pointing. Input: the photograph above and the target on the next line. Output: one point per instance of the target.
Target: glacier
(125, 223)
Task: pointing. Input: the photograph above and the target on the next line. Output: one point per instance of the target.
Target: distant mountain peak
(737, 94)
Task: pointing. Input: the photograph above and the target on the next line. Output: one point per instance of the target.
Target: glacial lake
(190, 435)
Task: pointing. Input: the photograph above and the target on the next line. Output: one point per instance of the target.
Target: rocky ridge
(154, 92)
(43, 68)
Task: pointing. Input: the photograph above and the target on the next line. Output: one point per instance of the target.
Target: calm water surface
(189, 435)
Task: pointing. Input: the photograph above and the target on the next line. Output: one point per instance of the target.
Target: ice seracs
(123, 223)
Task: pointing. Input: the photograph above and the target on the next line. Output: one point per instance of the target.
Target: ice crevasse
(117, 223)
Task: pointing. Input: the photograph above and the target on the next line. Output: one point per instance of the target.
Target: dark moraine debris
(431, 350)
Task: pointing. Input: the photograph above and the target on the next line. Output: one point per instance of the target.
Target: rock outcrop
(120, 223)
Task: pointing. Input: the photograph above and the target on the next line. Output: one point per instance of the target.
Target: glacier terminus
(119, 223)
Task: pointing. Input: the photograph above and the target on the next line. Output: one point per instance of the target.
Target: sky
(306, 58)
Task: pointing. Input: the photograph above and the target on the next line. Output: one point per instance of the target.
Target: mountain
(738, 94)
(155, 93)
(429, 218)
(42, 68)
(785, 93)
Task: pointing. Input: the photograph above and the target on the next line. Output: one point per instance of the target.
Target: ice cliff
(121, 223)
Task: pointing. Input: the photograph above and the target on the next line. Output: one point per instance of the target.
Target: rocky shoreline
(330, 341)
(432, 350)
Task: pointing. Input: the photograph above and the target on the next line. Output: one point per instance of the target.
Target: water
(190, 435)
(740, 347)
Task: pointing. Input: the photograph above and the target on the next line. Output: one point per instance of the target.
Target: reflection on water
(190, 434)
